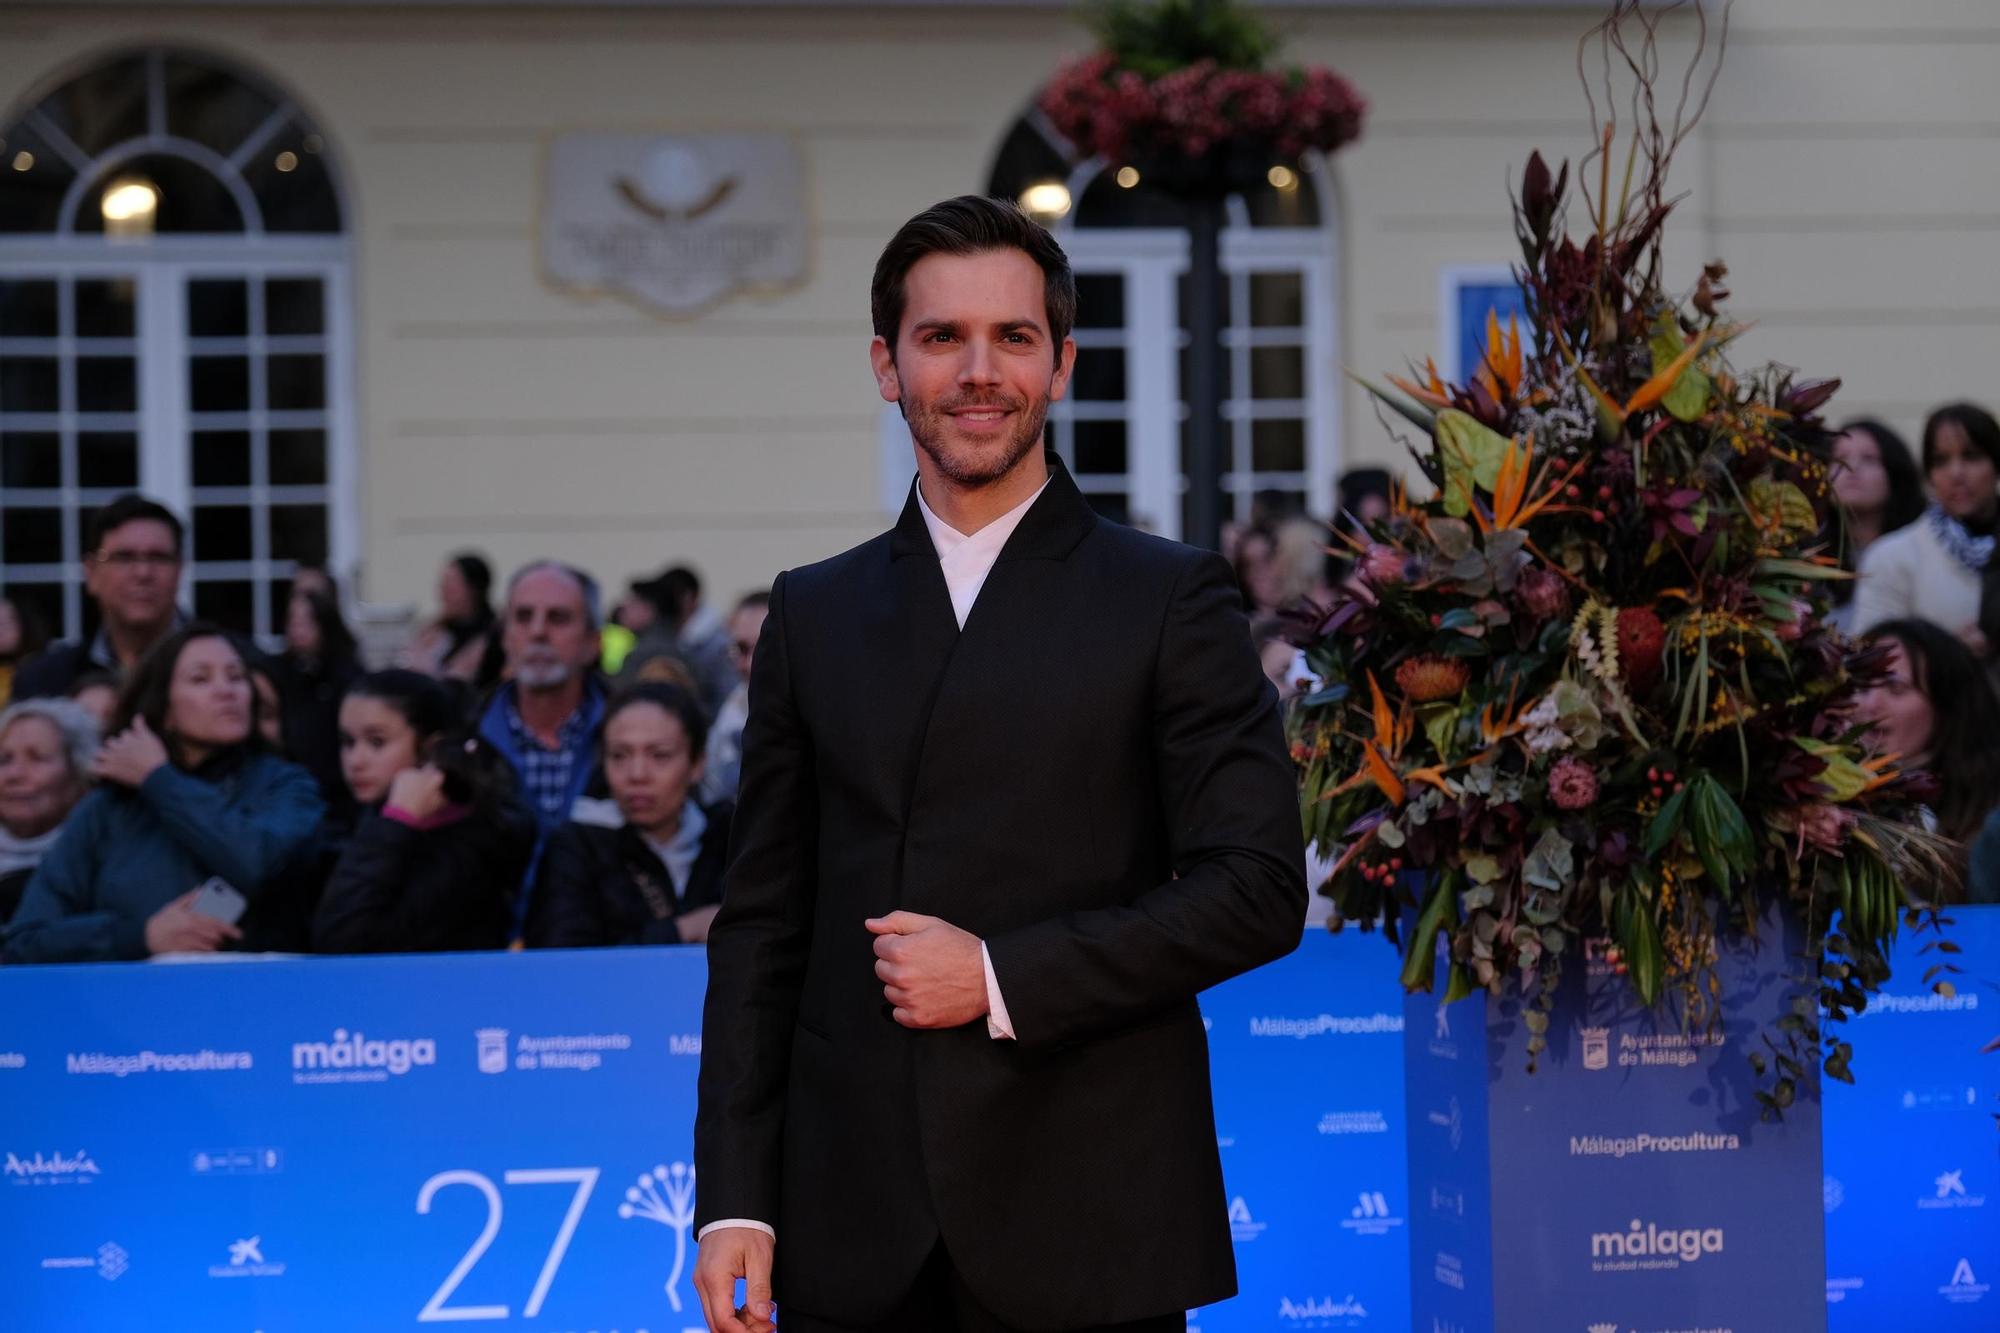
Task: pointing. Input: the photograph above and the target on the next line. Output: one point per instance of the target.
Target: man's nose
(979, 365)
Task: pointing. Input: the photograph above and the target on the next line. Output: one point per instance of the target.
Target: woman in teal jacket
(186, 793)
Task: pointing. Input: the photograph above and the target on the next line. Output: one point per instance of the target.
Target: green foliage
(1157, 37)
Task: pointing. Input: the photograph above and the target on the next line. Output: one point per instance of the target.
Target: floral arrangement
(1587, 688)
(1184, 79)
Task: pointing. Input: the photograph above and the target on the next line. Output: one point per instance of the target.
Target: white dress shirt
(966, 560)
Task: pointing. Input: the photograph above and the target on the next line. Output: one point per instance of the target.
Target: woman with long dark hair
(187, 793)
(455, 645)
(443, 841)
(320, 661)
(1934, 707)
(1941, 567)
(1880, 490)
(658, 878)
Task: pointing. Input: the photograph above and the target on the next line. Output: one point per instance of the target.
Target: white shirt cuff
(735, 1222)
(998, 1025)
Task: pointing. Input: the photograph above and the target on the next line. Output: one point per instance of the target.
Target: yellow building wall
(1848, 171)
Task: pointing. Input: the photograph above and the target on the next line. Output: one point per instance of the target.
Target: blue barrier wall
(503, 1140)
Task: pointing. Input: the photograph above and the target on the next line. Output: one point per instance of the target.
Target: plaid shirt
(546, 774)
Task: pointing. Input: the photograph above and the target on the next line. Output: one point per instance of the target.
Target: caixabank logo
(1650, 1246)
(355, 1057)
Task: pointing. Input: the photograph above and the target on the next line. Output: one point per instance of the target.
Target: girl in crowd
(657, 879)
(1880, 491)
(455, 644)
(1935, 708)
(1941, 568)
(46, 749)
(187, 792)
(442, 843)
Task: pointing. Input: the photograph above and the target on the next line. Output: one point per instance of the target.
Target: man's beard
(543, 673)
(969, 465)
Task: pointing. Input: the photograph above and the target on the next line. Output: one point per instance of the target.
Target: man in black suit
(1014, 792)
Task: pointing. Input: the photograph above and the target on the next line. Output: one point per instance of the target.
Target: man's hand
(724, 1255)
(930, 970)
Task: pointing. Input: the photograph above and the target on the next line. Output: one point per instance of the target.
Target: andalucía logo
(1324, 1307)
(1242, 1226)
(1651, 1246)
(357, 1058)
(55, 1169)
(1964, 1288)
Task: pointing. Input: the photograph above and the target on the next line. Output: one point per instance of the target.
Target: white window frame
(161, 271)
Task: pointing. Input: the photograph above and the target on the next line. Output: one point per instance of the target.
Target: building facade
(287, 265)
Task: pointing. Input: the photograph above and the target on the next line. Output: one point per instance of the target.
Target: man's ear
(1065, 365)
(882, 358)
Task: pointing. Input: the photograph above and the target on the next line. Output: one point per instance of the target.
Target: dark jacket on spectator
(309, 698)
(249, 818)
(402, 889)
(600, 886)
(12, 885)
(52, 672)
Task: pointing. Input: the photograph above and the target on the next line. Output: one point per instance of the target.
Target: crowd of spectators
(527, 775)
(534, 774)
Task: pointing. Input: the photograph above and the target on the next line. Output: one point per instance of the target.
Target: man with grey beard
(545, 716)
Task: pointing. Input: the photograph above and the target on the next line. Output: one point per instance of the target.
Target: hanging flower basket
(1179, 91)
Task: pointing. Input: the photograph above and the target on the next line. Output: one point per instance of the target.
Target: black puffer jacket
(399, 889)
(600, 886)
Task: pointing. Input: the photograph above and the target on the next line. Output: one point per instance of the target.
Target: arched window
(1123, 427)
(173, 319)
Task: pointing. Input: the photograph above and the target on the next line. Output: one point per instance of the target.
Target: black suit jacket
(1092, 778)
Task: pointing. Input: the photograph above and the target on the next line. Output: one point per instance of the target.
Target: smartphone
(218, 899)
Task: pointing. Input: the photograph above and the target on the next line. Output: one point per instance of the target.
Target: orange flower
(1430, 678)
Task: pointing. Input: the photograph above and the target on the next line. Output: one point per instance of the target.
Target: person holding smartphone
(187, 792)
(442, 841)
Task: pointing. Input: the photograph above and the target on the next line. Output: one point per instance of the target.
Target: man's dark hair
(130, 509)
(970, 225)
(754, 601)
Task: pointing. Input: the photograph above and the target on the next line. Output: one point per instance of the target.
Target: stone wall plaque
(673, 222)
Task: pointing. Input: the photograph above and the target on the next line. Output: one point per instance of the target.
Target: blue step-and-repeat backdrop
(504, 1141)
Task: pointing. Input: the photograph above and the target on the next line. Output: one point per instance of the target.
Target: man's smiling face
(975, 367)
